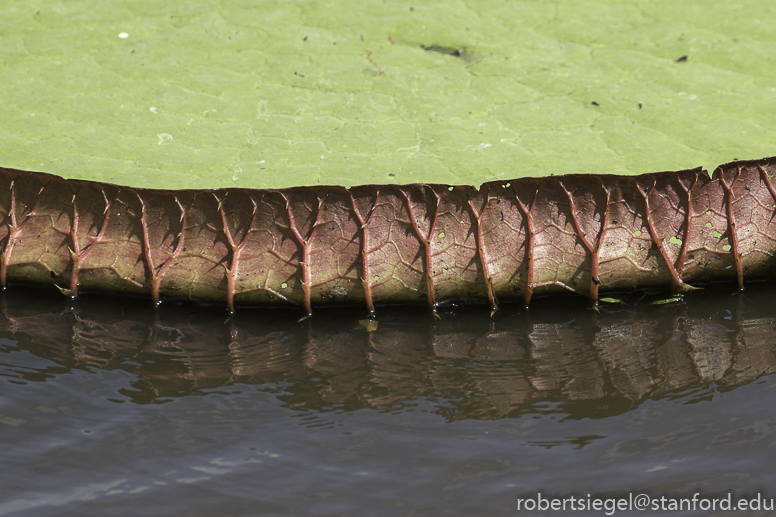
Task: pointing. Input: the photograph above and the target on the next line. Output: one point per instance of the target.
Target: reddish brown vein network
(391, 244)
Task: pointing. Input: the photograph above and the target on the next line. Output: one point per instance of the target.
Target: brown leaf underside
(509, 240)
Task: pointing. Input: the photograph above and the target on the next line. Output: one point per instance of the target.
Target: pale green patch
(12, 421)
(369, 325)
(675, 240)
(283, 285)
(610, 300)
(716, 234)
(280, 93)
(709, 225)
(637, 233)
(726, 247)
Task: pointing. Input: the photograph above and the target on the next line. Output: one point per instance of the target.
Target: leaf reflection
(566, 360)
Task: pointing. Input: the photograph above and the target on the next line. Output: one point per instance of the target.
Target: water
(110, 408)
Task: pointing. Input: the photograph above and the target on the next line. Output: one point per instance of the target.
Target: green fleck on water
(672, 299)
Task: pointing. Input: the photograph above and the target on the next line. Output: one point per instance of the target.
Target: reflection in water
(469, 365)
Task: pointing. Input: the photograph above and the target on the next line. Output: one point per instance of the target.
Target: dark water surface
(108, 407)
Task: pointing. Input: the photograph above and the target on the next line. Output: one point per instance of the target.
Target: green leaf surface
(237, 93)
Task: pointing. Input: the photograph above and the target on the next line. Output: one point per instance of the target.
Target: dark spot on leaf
(682, 59)
(639, 105)
(391, 174)
(594, 103)
(304, 39)
(450, 51)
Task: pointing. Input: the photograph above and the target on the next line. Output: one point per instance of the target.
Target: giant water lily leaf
(269, 95)
(239, 93)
